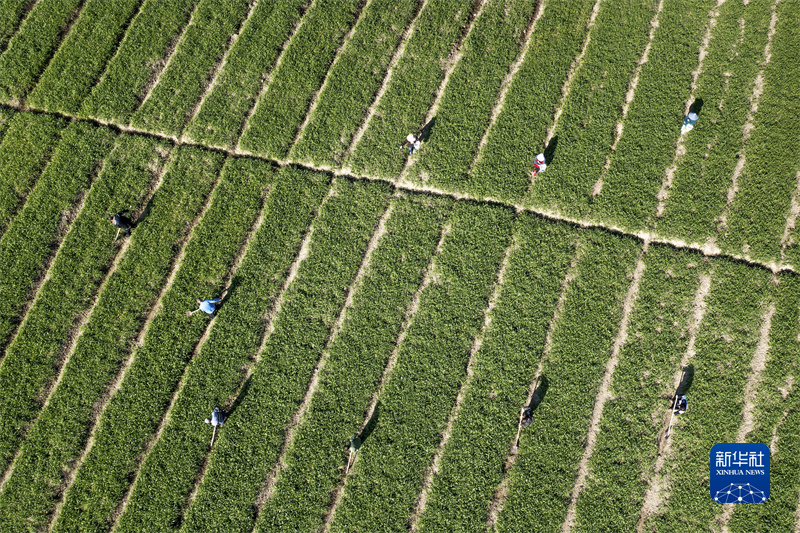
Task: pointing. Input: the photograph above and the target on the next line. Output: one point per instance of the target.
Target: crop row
(168, 475)
(472, 466)
(27, 146)
(137, 61)
(586, 128)
(336, 118)
(776, 411)
(653, 122)
(758, 213)
(535, 91)
(356, 360)
(703, 176)
(724, 348)
(182, 83)
(11, 15)
(249, 444)
(133, 415)
(431, 366)
(552, 446)
(220, 120)
(280, 110)
(34, 44)
(641, 392)
(412, 90)
(6, 114)
(465, 109)
(61, 431)
(36, 355)
(38, 229)
(80, 60)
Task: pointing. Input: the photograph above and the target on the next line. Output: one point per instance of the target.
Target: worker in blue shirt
(217, 418)
(208, 306)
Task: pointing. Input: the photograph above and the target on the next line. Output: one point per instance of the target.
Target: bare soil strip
(680, 148)
(218, 69)
(178, 391)
(708, 249)
(385, 84)
(757, 366)
(747, 129)
(268, 76)
(506, 85)
(477, 343)
(269, 319)
(501, 493)
(791, 220)
(100, 405)
(407, 321)
(604, 394)
(453, 60)
(162, 65)
(657, 483)
(268, 488)
(598, 186)
(315, 100)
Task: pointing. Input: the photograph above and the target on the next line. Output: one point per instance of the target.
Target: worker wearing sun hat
(539, 164)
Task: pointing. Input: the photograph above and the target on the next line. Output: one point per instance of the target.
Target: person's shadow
(696, 106)
(687, 378)
(550, 150)
(539, 393)
(425, 132)
(371, 423)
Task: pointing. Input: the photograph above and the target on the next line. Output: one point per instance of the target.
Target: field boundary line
(179, 389)
(268, 487)
(749, 126)
(171, 50)
(398, 53)
(508, 80)
(217, 70)
(791, 220)
(620, 126)
(680, 146)
(63, 35)
(652, 495)
(364, 4)
(456, 52)
(566, 88)
(29, 5)
(757, 366)
(67, 220)
(75, 334)
(707, 249)
(408, 320)
(269, 76)
(477, 344)
(99, 407)
(269, 319)
(501, 491)
(604, 393)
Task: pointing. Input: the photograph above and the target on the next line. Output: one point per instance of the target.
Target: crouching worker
(122, 222)
(527, 417)
(688, 122)
(681, 405)
(208, 306)
(539, 164)
(412, 142)
(217, 418)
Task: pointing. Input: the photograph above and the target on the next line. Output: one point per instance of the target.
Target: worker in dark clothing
(217, 418)
(122, 222)
(527, 417)
(682, 405)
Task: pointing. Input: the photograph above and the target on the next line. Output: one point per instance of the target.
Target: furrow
(407, 321)
(501, 492)
(268, 488)
(604, 394)
(215, 75)
(29, 5)
(652, 497)
(680, 149)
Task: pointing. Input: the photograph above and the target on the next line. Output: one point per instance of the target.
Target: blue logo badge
(739, 473)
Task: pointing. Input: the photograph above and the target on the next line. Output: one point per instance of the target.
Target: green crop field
(419, 301)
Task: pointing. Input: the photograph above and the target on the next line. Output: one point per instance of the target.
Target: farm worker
(122, 222)
(353, 445)
(217, 418)
(412, 142)
(527, 417)
(207, 306)
(688, 122)
(539, 164)
(683, 404)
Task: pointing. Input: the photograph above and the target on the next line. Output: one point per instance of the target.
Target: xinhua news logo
(739, 473)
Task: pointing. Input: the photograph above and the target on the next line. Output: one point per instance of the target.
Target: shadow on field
(373, 421)
(550, 150)
(539, 392)
(687, 377)
(696, 106)
(425, 132)
(240, 397)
